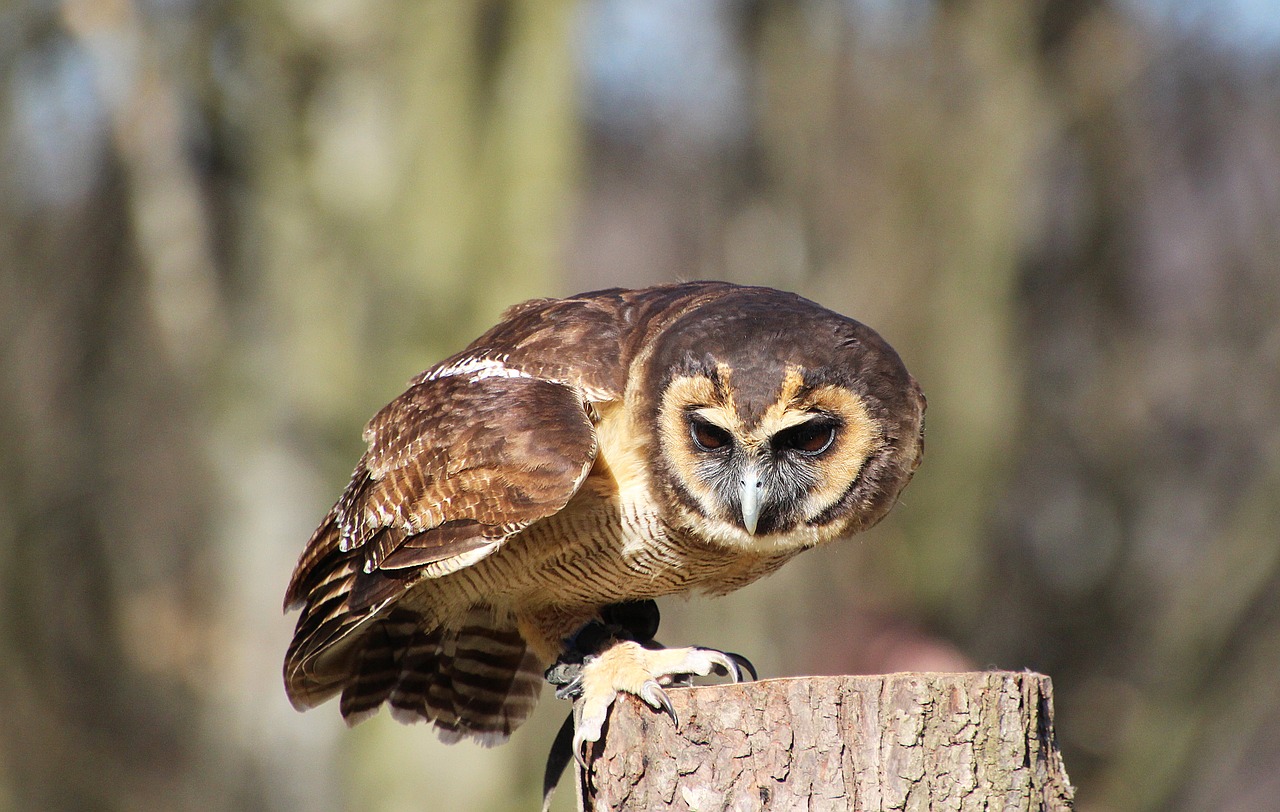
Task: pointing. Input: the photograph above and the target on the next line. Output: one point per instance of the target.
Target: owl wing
(471, 454)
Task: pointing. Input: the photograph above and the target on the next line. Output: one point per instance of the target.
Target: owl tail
(479, 680)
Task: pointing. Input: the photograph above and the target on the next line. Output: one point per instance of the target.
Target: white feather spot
(477, 369)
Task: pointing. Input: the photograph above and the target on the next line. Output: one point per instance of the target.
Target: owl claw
(653, 695)
(569, 689)
(588, 728)
(742, 670)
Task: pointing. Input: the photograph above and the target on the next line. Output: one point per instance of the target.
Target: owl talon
(588, 727)
(742, 669)
(653, 695)
(722, 663)
(570, 690)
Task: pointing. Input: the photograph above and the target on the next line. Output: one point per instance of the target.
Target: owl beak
(752, 488)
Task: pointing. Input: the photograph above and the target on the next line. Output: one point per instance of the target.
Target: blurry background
(231, 230)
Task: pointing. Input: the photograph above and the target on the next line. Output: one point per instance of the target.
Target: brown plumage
(612, 446)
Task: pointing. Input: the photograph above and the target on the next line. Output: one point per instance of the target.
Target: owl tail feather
(477, 681)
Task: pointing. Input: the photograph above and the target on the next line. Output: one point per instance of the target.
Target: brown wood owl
(613, 446)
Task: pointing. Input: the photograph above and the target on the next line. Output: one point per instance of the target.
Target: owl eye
(811, 438)
(708, 436)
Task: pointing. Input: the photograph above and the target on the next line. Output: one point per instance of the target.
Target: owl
(611, 447)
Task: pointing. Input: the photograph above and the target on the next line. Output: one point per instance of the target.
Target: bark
(973, 741)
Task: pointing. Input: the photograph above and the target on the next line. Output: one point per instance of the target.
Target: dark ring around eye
(708, 436)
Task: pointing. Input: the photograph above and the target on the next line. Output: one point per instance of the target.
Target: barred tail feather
(377, 665)
(479, 681)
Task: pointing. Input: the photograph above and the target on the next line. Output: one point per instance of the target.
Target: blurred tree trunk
(894, 164)
(374, 186)
(111, 316)
(412, 172)
(1143, 500)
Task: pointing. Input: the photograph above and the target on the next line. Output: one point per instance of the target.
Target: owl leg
(632, 620)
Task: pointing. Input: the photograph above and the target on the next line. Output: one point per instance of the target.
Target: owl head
(778, 424)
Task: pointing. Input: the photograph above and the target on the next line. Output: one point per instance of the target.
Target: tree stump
(975, 741)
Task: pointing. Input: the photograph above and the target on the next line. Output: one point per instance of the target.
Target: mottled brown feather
(416, 500)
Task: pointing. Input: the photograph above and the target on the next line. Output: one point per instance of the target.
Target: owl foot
(633, 668)
(595, 666)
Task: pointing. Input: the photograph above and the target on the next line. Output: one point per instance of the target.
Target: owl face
(768, 482)
(783, 435)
